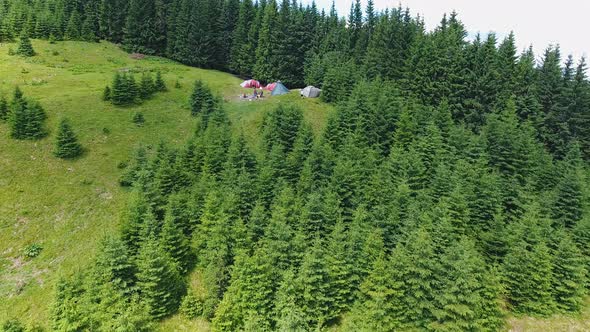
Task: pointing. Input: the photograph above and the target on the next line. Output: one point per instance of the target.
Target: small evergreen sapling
(67, 146)
(106, 95)
(159, 84)
(146, 87)
(3, 109)
(138, 119)
(118, 92)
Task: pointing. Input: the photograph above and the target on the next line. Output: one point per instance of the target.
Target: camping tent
(311, 92)
(249, 84)
(279, 89)
(270, 87)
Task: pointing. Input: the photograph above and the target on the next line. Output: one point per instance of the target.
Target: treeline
(393, 218)
(302, 45)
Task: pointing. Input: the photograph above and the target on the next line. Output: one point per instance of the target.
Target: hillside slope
(66, 206)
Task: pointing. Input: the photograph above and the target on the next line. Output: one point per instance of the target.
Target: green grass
(557, 323)
(67, 206)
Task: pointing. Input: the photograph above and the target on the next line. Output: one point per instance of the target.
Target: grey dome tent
(279, 89)
(311, 92)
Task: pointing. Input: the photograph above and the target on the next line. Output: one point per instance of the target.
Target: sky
(536, 22)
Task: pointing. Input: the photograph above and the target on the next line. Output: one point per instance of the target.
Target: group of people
(255, 95)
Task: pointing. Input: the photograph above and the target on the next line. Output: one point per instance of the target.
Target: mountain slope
(67, 206)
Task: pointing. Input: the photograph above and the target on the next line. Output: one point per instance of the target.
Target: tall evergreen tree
(569, 275)
(160, 284)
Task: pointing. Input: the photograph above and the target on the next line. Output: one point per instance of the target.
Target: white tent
(311, 92)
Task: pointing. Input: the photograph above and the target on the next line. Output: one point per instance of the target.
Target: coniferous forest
(449, 190)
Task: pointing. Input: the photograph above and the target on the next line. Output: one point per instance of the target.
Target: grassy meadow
(67, 206)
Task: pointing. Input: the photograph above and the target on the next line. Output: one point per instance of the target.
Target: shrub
(33, 250)
(138, 119)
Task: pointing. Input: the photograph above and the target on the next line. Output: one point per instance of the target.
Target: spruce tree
(26, 118)
(119, 90)
(313, 280)
(67, 310)
(569, 276)
(141, 30)
(201, 99)
(266, 60)
(25, 48)
(18, 119)
(72, 31)
(107, 94)
(289, 315)
(159, 84)
(3, 109)
(66, 144)
(113, 265)
(160, 285)
(468, 297)
(250, 293)
(377, 309)
(567, 209)
(146, 86)
(138, 119)
(133, 91)
(176, 243)
(527, 278)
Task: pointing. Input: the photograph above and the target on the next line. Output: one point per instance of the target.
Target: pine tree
(159, 84)
(569, 276)
(176, 243)
(25, 48)
(527, 277)
(567, 209)
(146, 87)
(265, 67)
(26, 118)
(250, 293)
(200, 99)
(289, 315)
(377, 309)
(66, 145)
(67, 310)
(138, 119)
(72, 31)
(119, 92)
(141, 30)
(313, 280)
(113, 266)
(3, 109)
(107, 94)
(468, 298)
(160, 285)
